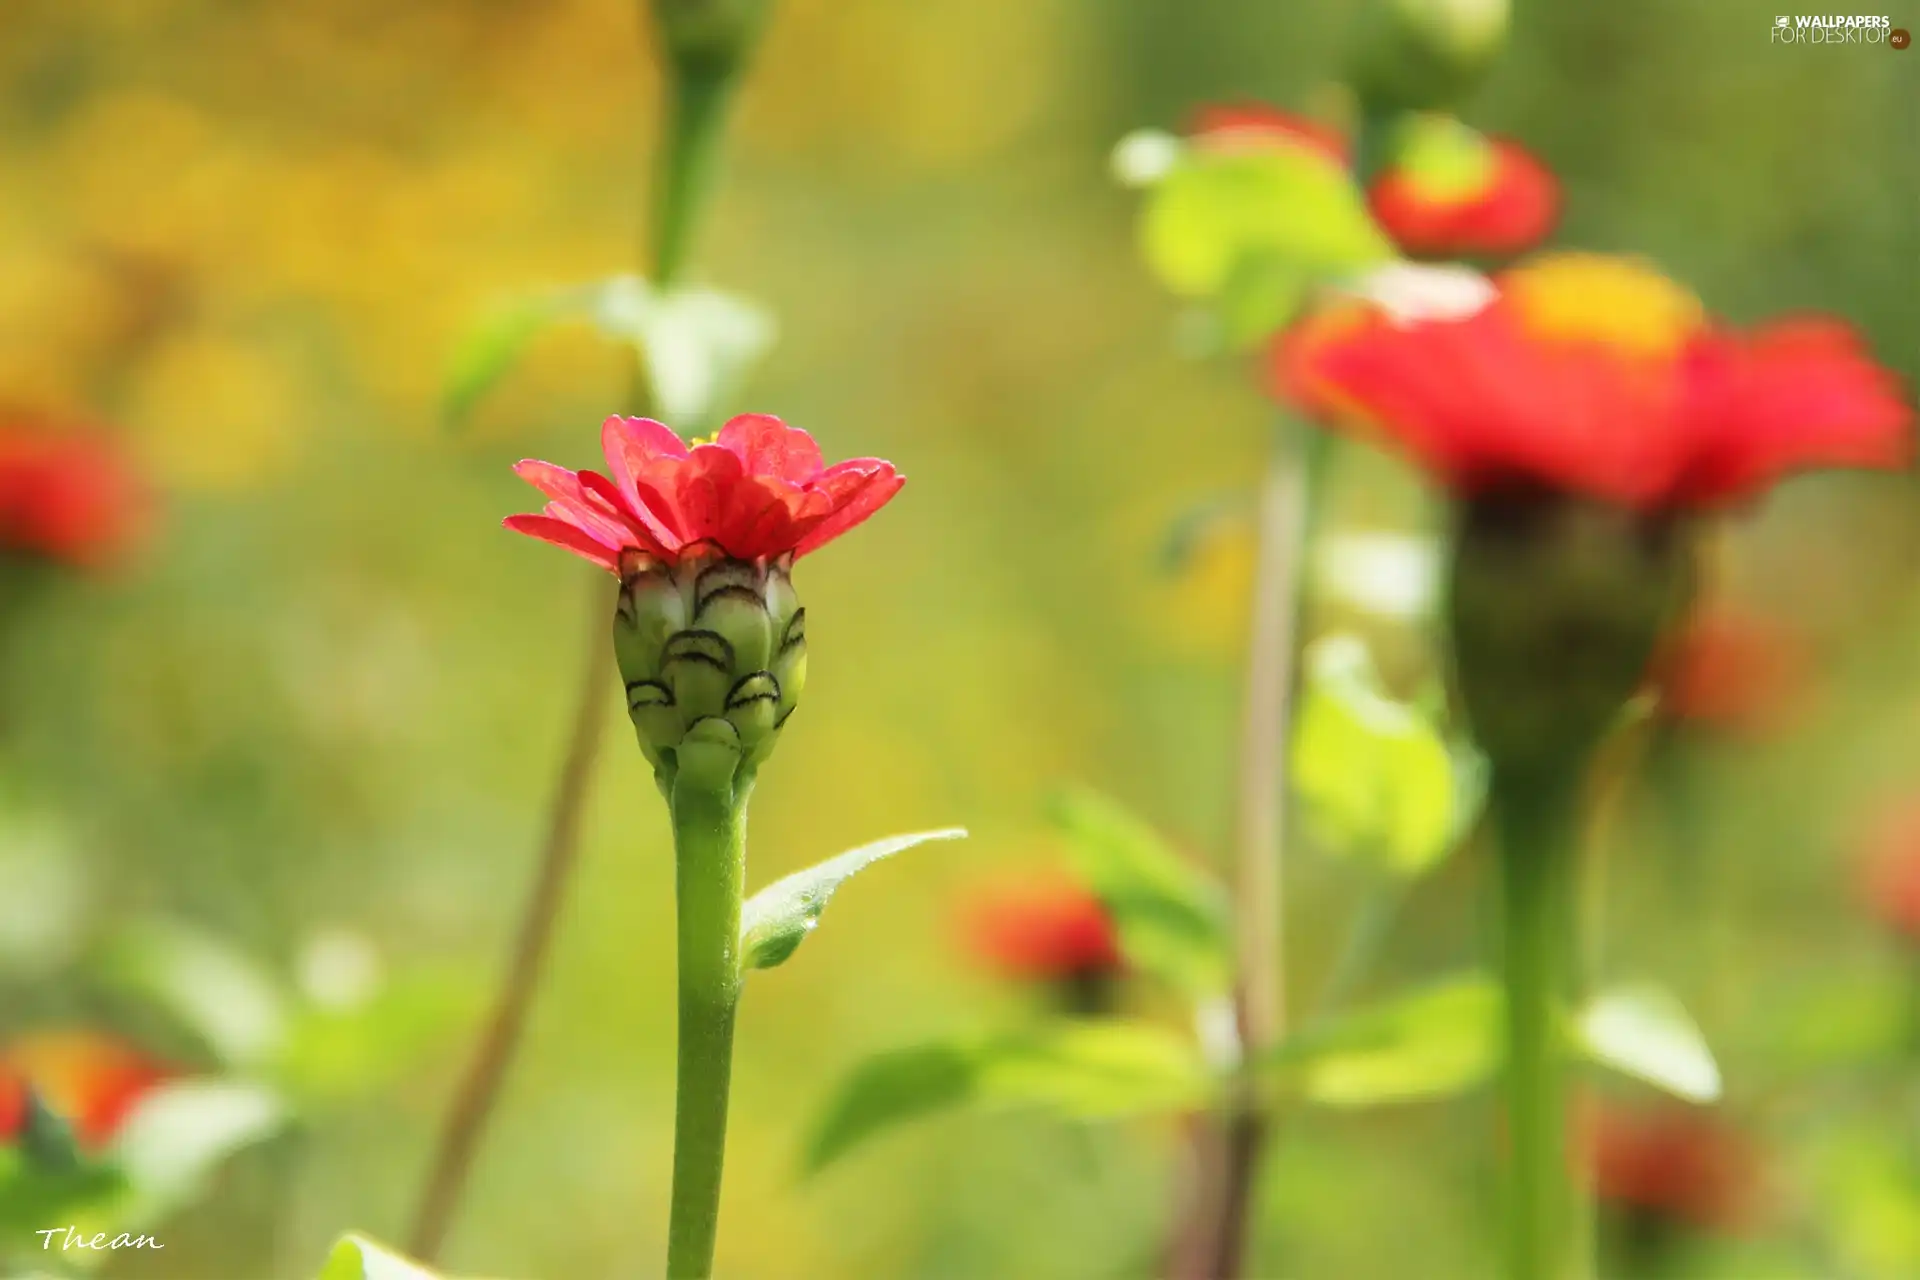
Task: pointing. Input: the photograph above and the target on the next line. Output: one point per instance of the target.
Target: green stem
(1539, 927)
(697, 102)
(710, 858)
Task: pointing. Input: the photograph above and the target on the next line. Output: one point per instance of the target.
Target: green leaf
(230, 1002)
(1438, 1040)
(1171, 915)
(1644, 1032)
(1376, 778)
(179, 1133)
(357, 1258)
(1082, 1069)
(776, 920)
(1288, 207)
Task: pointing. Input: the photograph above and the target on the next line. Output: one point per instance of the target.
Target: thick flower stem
(710, 849)
(697, 102)
(1539, 943)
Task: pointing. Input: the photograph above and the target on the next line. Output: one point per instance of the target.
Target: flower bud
(1425, 55)
(709, 35)
(1557, 607)
(713, 653)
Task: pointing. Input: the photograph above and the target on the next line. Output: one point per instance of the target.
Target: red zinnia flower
(92, 1080)
(1674, 1164)
(1730, 672)
(1890, 880)
(1598, 376)
(67, 497)
(758, 491)
(1044, 931)
(1448, 193)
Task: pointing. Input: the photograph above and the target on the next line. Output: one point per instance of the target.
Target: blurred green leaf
(357, 1258)
(1171, 915)
(1099, 1067)
(1643, 1031)
(1376, 777)
(1275, 218)
(179, 1133)
(776, 920)
(230, 1002)
(1078, 1068)
(497, 343)
(1440, 1039)
(891, 1089)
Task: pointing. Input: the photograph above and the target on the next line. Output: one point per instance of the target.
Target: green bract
(1251, 229)
(1422, 55)
(713, 651)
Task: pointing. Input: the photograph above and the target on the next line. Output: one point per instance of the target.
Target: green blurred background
(327, 701)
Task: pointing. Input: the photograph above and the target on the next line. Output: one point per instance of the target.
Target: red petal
(596, 512)
(562, 534)
(1794, 395)
(703, 485)
(639, 453)
(857, 489)
(769, 447)
(1512, 212)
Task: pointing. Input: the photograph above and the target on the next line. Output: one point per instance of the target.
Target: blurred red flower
(1598, 376)
(1732, 673)
(66, 496)
(759, 490)
(1890, 880)
(1447, 193)
(1044, 930)
(91, 1079)
(1674, 1164)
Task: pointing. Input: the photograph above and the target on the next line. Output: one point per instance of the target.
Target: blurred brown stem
(1213, 1242)
(453, 1159)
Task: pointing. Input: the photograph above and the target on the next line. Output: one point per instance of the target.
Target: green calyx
(713, 652)
(1557, 605)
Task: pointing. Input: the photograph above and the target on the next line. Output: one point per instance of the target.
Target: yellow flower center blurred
(1616, 301)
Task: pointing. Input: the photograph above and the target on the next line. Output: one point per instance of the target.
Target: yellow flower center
(1620, 302)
